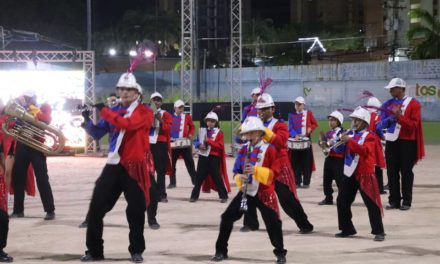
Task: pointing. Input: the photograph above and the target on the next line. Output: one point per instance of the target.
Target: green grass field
(431, 131)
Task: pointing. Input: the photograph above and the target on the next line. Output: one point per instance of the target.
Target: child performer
(359, 175)
(254, 170)
(301, 125)
(334, 162)
(182, 126)
(212, 161)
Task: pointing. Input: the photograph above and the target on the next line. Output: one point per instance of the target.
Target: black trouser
(333, 170)
(291, 206)
(113, 181)
(160, 157)
(154, 198)
(209, 165)
(151, 209)
(189, 163)
(24, 156)
(400, 157)
(379, 176)
(233, 213)
(346, 196)
(4, 228)
(302, 161)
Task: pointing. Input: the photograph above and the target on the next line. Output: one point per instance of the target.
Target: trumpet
(325, 146)
(31, 132)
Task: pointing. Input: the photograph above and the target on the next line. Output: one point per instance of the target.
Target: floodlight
(132, 53)
(112, 52)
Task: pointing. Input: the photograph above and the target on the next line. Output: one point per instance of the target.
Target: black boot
(4, 257)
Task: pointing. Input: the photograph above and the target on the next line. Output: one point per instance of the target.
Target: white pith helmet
(252, 123)
(211, 115)
(396, 82)
(264, 100)
(300, 100)
(256, 90)
(338, 115)
(127, 80)
(362, 114)
(156, 94)
(178, 103)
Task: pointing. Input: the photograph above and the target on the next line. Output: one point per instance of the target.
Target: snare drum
(299, 144)
(180, 143)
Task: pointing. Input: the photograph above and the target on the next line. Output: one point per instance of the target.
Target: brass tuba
(31, 132)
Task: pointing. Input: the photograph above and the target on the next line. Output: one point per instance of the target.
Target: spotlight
(112, 52)
(132, 53)
(148, 53)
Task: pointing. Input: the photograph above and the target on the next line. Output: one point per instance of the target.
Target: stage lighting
(112, 52)
(148, 53)
(132, 53)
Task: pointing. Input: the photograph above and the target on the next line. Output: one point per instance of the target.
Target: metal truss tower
(187, 60)
(87, 58)
(236, 63)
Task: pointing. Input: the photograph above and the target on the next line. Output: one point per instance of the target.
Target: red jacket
(217, 149)
(411, 129)
(134, 144)
(165, 128)
(380, 158)
(188, 126)
(364, 172)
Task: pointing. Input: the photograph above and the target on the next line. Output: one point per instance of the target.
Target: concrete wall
(325, 87)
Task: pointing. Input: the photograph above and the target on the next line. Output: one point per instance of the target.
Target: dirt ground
(189, 230)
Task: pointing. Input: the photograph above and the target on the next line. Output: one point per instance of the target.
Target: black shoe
(379, 237)
(4, 257)
(307, 230)
(17, 215)
(154, 226)
(193, 200)
(405, 207)
(89, 258)
(247, 229)
(83, 224)
(163, 200)
(50, 216)
(281, 259)
(137, 258)
(346, 233)
(223, 200)
(306, 186)
(392, 206)
(325, 202)
(219, 257)
(171, 186)
(383, 192)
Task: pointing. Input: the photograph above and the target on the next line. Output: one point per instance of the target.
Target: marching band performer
(25, 155)
(251, 110)
(359, 175)
(334, 162)
(277, 134)
(256, 167)
(211, 167)
(126, 169)
(374, 105)
(182, 126)
(404, 142)
(160, 144)
(302, 124)
(4, 218)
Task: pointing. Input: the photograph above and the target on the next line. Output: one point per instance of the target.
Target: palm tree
(425, 35)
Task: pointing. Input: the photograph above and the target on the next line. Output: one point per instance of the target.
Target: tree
(425, 35)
